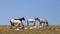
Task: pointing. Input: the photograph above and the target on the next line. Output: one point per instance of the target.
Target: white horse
(17, 22)
(41, 20)
(31, 21)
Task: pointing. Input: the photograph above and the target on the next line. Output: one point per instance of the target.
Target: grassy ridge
(38, 30)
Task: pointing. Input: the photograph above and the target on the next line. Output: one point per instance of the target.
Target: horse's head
(36, 18)
(23, 18)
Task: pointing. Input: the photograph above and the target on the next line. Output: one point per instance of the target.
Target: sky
(47, 9)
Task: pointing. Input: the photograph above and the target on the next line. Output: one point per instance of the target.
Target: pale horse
(17, 22)
(32, 20)
(41, 20)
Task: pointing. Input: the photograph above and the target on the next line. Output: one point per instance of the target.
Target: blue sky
(48, 9)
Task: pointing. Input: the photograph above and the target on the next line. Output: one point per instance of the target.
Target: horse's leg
(12, 24)
(16, 27)
(44, 23)
(27, 23)
(47, 23)
(40, 23)
(34, 24)
(21, 25)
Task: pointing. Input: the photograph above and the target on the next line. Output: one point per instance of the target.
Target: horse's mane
(20, 18)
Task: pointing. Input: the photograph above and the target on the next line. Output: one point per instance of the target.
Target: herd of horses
(17, 23)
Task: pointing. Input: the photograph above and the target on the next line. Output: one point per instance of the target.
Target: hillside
(38, 30)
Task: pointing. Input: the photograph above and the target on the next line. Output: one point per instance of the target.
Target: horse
(41, 20)
(17, 22)
(31, 21)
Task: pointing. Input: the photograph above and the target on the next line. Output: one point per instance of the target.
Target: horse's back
(15, 21)
(31, 19)
(44, 20)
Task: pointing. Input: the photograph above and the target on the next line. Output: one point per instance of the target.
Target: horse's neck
(18, 19)
(39, 20)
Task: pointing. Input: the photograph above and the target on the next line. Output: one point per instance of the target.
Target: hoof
(25, 28)
(17, 29)
(34, 27)
(40, 26)
(31, 27)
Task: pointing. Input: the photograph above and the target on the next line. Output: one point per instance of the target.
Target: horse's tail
(12, 24)
(21, 25)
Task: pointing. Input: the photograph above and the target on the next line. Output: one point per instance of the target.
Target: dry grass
(38, 30)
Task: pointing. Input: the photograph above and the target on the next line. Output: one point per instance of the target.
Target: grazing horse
(17, 22)
(31, 21)
(42, 21)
